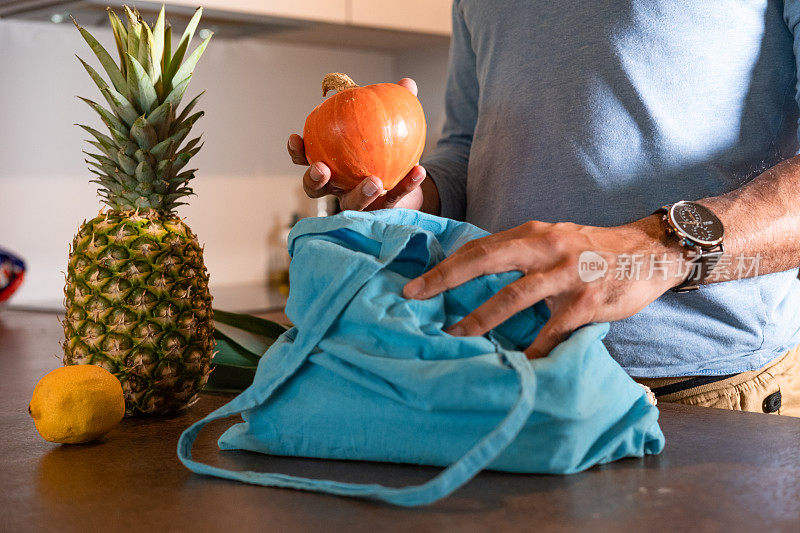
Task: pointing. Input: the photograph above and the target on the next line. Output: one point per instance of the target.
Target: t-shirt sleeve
(791, 14)
(447, 166)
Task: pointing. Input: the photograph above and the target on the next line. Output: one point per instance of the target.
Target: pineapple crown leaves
(139, 166)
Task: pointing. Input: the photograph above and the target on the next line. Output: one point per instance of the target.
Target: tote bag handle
(451, 478)
(481, 455)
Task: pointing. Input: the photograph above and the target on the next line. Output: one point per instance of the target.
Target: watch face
(696, 223)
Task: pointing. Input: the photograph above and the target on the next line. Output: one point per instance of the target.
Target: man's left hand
(550, 257)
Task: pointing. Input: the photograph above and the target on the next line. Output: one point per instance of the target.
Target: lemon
(78, 403)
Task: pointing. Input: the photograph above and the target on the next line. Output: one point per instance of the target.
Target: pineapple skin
(137, 304)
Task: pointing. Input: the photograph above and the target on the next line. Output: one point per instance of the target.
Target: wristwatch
(698, 229)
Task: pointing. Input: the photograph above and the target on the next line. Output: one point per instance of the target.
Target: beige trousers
(774, 388)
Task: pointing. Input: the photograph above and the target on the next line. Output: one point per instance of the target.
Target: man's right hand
(369, 194)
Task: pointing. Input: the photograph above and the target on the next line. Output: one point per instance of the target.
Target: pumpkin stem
(338, 82)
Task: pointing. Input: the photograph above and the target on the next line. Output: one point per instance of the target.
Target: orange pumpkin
(377, 130)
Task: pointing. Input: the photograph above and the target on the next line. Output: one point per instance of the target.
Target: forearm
(430, 197)
(762, 223)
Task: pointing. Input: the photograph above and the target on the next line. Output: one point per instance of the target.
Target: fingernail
(315, 174)
(370, 188)
(419, 176)
(456, 331)
(414, 288)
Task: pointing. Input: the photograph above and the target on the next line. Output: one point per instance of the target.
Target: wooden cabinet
(419, 16)
(385, 25)
(332, 11)
(418, 23)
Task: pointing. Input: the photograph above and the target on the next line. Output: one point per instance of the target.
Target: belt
(679, 386)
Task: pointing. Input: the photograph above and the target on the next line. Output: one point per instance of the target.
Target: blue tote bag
(365, 374)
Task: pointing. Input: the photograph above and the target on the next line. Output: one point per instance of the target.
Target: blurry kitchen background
(261, 73)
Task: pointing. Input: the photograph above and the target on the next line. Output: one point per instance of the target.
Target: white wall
(256, 94)
(429, 69)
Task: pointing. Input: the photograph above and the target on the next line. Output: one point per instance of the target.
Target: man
(568, 127)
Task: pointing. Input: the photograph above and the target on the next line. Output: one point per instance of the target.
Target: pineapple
(136, 296)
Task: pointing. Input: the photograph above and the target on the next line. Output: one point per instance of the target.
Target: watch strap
(701, 265)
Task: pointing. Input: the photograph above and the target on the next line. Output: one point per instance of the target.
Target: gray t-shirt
(600, 112)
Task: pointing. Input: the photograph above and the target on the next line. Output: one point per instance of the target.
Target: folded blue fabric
(366, 374)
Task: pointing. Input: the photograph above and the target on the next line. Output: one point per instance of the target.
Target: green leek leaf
(252, 324)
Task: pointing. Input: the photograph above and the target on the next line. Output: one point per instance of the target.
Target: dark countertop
(720, 471)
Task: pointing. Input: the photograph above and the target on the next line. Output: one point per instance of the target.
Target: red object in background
(12, 272)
